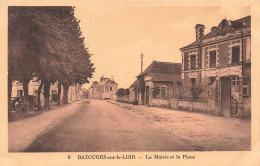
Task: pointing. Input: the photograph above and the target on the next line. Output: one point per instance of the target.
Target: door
(147, 94)
(225, 96)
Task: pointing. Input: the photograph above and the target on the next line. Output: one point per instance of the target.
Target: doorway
(225, 96)
(147, 94)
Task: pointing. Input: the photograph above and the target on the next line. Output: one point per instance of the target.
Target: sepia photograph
(129, 79)
(125, 81)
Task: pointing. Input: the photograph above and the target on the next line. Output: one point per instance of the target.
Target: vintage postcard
(129, 82)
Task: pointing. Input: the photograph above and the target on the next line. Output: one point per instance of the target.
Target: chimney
(112, 78)
(199, 31)
(214, 28)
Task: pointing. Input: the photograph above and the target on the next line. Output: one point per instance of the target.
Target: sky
(116, 34)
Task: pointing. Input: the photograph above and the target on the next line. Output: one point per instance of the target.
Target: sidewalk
(205, 132)
(22, 133)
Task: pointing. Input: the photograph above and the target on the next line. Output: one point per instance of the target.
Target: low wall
(124, 99)
(174, 103)
(188, 105)
(196, 106)
(247, 108)
(160, 103)
(204, 106)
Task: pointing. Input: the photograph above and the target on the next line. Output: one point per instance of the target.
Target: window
(193, 81)
(156, 92)
(163, 92)
(235, 83)
(19, 93)
(246, 90)
(212, 58)
(110, 88)
(159, 92)
(235, 54)
(192, 62)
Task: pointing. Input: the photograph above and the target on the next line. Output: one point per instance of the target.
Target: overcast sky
(117, 34)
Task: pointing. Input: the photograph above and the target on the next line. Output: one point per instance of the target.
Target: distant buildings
(105, 89)
(74, 93)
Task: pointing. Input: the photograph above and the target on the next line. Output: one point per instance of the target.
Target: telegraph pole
(142, 57)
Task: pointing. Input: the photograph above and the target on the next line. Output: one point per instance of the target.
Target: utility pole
(142, 57)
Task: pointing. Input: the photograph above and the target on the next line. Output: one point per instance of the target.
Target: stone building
(220, 63)
(161, 82)
(105, 89)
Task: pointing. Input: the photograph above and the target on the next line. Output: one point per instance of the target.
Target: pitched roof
(163, 68)
(134, 83)
(159, 77)
(244, 22)
(110, 82)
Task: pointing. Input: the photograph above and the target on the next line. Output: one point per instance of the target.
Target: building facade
(161, 82)
(220, 64)
(105, 89)
(74, 92)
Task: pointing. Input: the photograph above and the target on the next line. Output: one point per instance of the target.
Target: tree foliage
(122, 92)
(190, 92)
(47, 43)
(195, 92)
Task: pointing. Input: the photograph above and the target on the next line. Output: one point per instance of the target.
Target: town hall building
(219, 62)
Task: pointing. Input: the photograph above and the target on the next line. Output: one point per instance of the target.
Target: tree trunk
(76, 92)
(65, 94)
(9, 96)
(46, 94)
(39, 107)
(59, 93)
(26, 96)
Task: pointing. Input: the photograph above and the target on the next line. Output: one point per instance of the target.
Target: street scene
(87, 81)
(103, 126)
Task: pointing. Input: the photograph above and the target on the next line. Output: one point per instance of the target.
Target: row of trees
(46, 44)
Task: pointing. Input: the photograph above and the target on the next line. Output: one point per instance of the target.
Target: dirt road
(104, 127)
(101, 127)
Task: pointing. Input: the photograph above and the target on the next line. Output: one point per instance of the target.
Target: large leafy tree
(58, 50)
(22, 50)
(69, 61)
